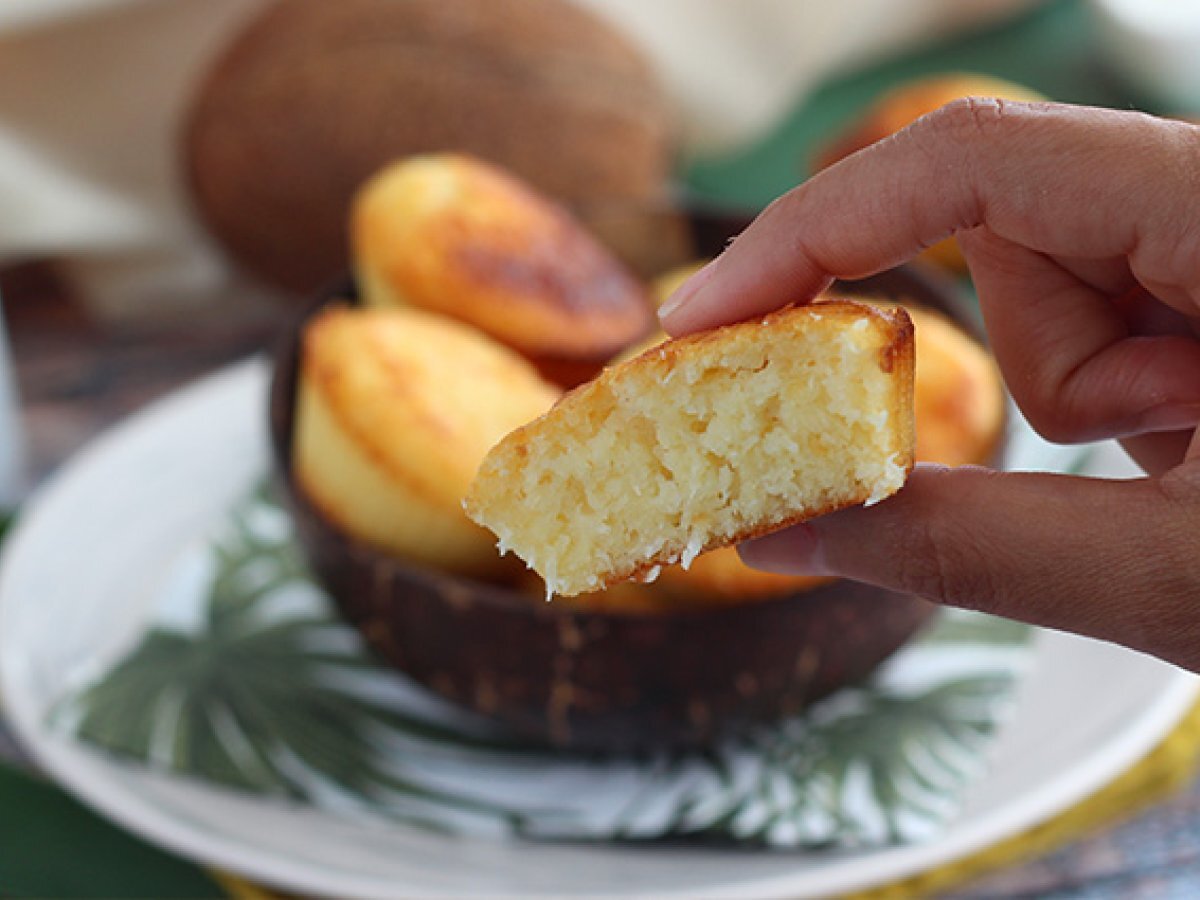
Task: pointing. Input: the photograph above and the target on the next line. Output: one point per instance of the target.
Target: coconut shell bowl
(604, 677)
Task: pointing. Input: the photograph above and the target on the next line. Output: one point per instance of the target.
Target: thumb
(1108, 559)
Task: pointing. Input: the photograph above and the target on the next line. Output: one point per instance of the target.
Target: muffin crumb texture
(705, 441)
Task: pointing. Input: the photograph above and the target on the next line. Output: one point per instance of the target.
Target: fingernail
(686, 291)
(792, 551)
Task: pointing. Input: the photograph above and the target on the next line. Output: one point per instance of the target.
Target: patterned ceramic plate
(147, 510)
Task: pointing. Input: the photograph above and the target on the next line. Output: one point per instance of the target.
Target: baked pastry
(395, 411)
(706, 441)
(458, 236)
(958, 401)
(905, 104)
(312, 97)
(958, 394)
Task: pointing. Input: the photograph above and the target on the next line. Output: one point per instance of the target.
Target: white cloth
(91, 94)
(736, 66)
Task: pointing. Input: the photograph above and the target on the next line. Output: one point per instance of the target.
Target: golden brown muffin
(958, 408)
(958, 394)
(395, 410)
(706, 441)
(959, 399)
(313, 96)
(905, 104)
(959, 415)
(456, 235)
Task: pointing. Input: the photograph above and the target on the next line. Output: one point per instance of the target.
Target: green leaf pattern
(249, 681)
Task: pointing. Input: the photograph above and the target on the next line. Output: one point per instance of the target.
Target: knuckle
(1165, 252)
(957, 143)
(1048, 416)
(1159, 608)
(967, 119)
(1175, 507)
(778, 215)
(1180, 488)
(939, 561)
(1043, 396)
(923, 568)
(1063, 389)
(1040, 395)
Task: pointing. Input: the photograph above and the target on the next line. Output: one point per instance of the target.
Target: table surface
(77, 375)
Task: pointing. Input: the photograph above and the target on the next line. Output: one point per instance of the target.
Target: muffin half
(706, 441)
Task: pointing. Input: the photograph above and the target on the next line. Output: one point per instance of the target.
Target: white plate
(87, 557)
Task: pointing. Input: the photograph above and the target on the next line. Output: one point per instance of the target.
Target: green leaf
(879, 733)
(273, 702)
(976, 628)
(53, 846)
(234, 700)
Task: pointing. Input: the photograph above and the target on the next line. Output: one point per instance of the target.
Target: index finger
(1063, 180)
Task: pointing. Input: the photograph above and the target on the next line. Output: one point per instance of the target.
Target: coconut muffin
(959, 415)
(458, 236)
(705, 441)
(395, 411)
(902, 106)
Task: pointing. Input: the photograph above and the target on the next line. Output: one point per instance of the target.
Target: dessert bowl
(603, 677)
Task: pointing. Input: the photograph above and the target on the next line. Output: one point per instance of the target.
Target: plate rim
(111, 798)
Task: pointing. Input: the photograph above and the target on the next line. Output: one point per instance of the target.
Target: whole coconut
(315, 96)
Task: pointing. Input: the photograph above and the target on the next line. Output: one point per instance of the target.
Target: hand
(1082, 231)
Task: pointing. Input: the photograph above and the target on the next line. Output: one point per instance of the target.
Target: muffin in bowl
(704, 441)
(960, 419)
(679, 663)
(394, 410)
(455, 235)
(675, 664)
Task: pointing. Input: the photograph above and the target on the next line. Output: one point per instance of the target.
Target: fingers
(1070, 182)
(1159, 452)
(1012, 544)
(1054, 221)
(1067, 353)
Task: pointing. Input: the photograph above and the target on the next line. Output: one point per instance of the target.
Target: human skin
(1081, 228)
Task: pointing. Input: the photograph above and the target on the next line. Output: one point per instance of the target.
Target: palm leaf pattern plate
(249, 680)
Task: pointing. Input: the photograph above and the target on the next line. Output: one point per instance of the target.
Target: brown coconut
(315, 96)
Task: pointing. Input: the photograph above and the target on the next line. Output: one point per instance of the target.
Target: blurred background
(121, 158)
